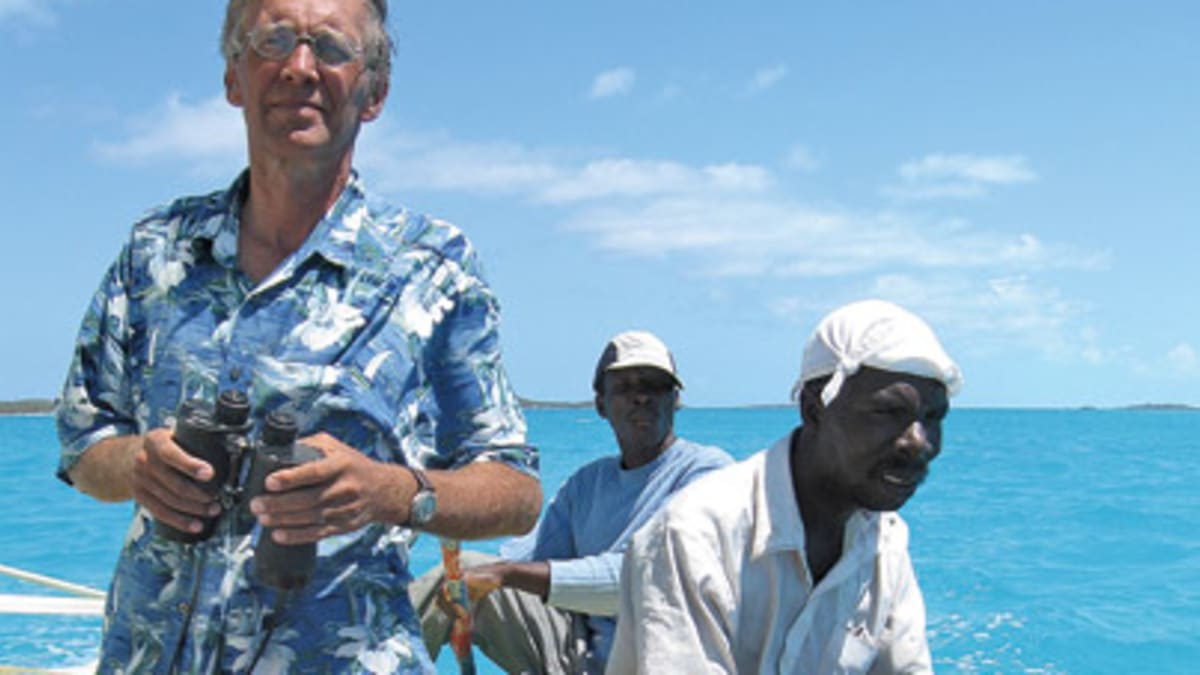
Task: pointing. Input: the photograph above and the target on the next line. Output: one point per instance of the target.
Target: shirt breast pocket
(857, 652)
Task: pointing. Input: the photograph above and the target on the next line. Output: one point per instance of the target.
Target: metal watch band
(423, 484)
(424, 500)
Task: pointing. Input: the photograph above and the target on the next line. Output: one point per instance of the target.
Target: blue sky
(1022, 174)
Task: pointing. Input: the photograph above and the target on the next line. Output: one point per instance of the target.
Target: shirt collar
(778, 525)
(334, 237)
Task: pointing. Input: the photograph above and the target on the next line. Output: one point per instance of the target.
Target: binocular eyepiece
(220, 435)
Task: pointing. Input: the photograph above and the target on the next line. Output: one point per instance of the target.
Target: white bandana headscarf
(878, 334)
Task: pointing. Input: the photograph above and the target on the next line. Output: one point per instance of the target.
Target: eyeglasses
(277, 41)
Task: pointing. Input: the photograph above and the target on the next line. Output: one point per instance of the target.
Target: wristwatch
(424, 502)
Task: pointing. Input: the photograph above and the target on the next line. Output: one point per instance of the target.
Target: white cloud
(979, 316)
(1183, 360)
(1009, 169)
(639, 178)
(765, 78)
(747, 234)
(958, 176)
(34, 10)
(990, 315)
(613, 82)
(728, 219)
(208, 135)
(400, 161)
(437, 162)
(984, 285)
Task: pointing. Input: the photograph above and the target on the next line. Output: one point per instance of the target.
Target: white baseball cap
(633, 349)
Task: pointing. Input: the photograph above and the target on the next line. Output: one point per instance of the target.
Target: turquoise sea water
(1045, 541)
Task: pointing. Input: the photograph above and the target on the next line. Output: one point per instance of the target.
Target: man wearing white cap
(794, 561)
(549, 605)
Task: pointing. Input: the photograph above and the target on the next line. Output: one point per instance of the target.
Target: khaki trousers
(515, 629)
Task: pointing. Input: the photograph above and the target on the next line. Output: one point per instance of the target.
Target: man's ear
(233, 90)
(376, 95)
(811, 407)
(600, 407)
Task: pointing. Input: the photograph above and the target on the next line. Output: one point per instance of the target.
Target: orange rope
(456, 588)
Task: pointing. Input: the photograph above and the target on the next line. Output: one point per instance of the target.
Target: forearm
(531, 577)
(348, 490)
(482, 501)
(105, 470)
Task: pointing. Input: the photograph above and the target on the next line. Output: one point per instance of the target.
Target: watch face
(423, 506)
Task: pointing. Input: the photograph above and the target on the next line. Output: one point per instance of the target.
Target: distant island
(1161, 406)
(553, 405)
(27, 406)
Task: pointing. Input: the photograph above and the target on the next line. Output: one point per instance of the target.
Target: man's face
(639, 403)
(879, 436)
(298, 105)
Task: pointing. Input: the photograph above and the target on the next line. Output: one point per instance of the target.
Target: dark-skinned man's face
(880, 434)
(639, 403)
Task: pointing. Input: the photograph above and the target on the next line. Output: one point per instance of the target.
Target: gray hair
(377, 43)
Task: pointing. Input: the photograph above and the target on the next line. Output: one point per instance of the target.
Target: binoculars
(221, 436)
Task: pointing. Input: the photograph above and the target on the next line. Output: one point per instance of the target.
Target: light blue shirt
(379, 330)
(585, 530)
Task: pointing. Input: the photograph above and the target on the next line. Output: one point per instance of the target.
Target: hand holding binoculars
(220, 435)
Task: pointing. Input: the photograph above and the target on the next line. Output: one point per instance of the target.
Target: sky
(1021, 174)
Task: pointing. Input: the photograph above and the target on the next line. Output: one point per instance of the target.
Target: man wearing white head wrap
(874, 333)
(794, 561)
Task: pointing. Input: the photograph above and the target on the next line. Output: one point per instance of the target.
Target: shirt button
(183, 608)
(235, 373)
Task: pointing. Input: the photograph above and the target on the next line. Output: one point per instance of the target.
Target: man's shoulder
(698, 455)
(184, 216)
(709, 517)
(397, 227)
(597, 469)
(717, 500)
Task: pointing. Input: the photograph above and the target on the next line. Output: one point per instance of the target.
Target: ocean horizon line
(36, 407)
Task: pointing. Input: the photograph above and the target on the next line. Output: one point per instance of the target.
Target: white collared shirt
(719, 582)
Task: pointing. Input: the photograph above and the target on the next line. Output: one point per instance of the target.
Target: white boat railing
(88, 601)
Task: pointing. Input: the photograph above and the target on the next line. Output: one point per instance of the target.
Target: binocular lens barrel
(199, 433)
(281, 566)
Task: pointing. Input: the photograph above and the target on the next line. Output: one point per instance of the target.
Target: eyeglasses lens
(277, 42)
(332, 49)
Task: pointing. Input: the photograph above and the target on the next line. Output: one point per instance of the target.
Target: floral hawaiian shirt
(379, 330)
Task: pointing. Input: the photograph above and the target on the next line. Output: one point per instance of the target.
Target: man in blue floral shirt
(373, 324)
